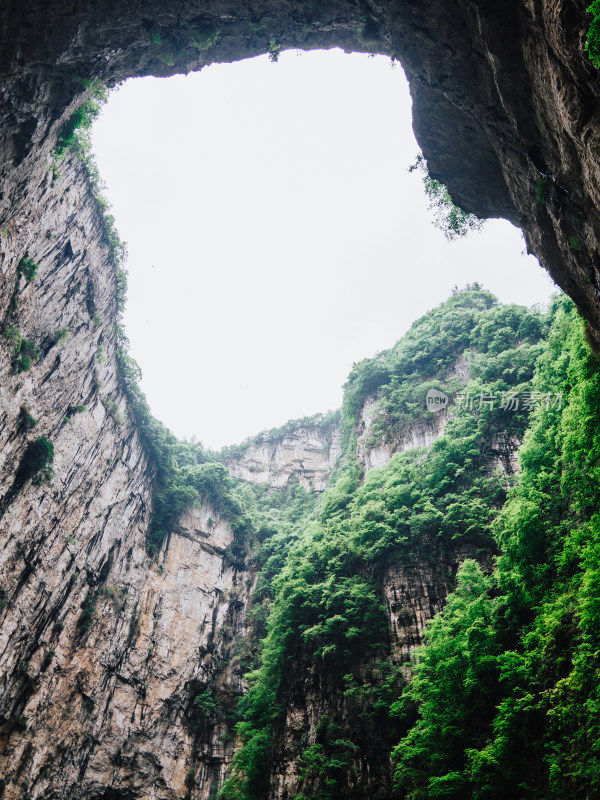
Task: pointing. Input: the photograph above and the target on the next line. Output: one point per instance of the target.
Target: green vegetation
(540, 191)
(60, 335)
(323, 579)
(26, 419)
(523, 719)
(499, 345)
(24, 353)
(205, 38)
(27, 356)
(114, 410)
(71, 411)
(76, 128)
(204, 709)
(592, 43)
(274, 50)
(449, 218)
(13, 336)
(28, 269)
(36, 463)
(88, 615)
(575, 243)
(116, 595)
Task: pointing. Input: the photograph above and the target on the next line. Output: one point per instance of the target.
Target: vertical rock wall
(101, 650)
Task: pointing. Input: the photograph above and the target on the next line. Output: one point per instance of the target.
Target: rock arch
(505, 98)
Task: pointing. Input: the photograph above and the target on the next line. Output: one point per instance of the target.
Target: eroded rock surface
(308, 455)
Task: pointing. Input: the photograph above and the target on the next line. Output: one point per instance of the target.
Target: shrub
(23, 351)
(205, 38)
(26, 419)
(274, 50)
(116, 594)
(100, 356)
(115, 411)
(592, 43)
(27, 268)
(88, 615)
(540, 191)
(60, 335)
(449, 218)
(80, 121)
(36, 462)
(204, 709)
(13, 336)
(28, 355)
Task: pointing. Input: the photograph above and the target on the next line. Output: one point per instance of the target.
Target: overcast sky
(275, 236)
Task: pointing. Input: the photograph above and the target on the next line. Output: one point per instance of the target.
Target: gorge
(176, 623)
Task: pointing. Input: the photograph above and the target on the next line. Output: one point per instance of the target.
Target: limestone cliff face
(308, 455)
(101, 651)
(375, 453)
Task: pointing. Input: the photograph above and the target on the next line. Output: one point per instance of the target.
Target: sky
(276, 237)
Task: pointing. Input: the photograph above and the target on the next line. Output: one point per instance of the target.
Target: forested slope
(328, 654)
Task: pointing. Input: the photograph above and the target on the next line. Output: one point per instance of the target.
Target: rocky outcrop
(372, 452)
(414, 593)
(307, 455)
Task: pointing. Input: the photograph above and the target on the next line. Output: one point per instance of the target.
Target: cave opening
(276, 236)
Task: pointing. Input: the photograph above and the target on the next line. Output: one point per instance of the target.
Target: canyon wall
(308, 455)
(104, 651)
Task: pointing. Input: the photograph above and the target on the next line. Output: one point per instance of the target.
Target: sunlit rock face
(307, 456)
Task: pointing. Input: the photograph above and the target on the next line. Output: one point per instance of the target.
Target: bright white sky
(275, 236)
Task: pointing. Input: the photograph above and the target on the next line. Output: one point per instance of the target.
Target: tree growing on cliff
(453, 221)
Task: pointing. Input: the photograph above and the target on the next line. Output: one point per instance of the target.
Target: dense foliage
(327, 625)
(507, 684)
(592, 42)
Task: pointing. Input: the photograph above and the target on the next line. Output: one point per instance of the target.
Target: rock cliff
(101, 650)
(104, 652)
(308, 455)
